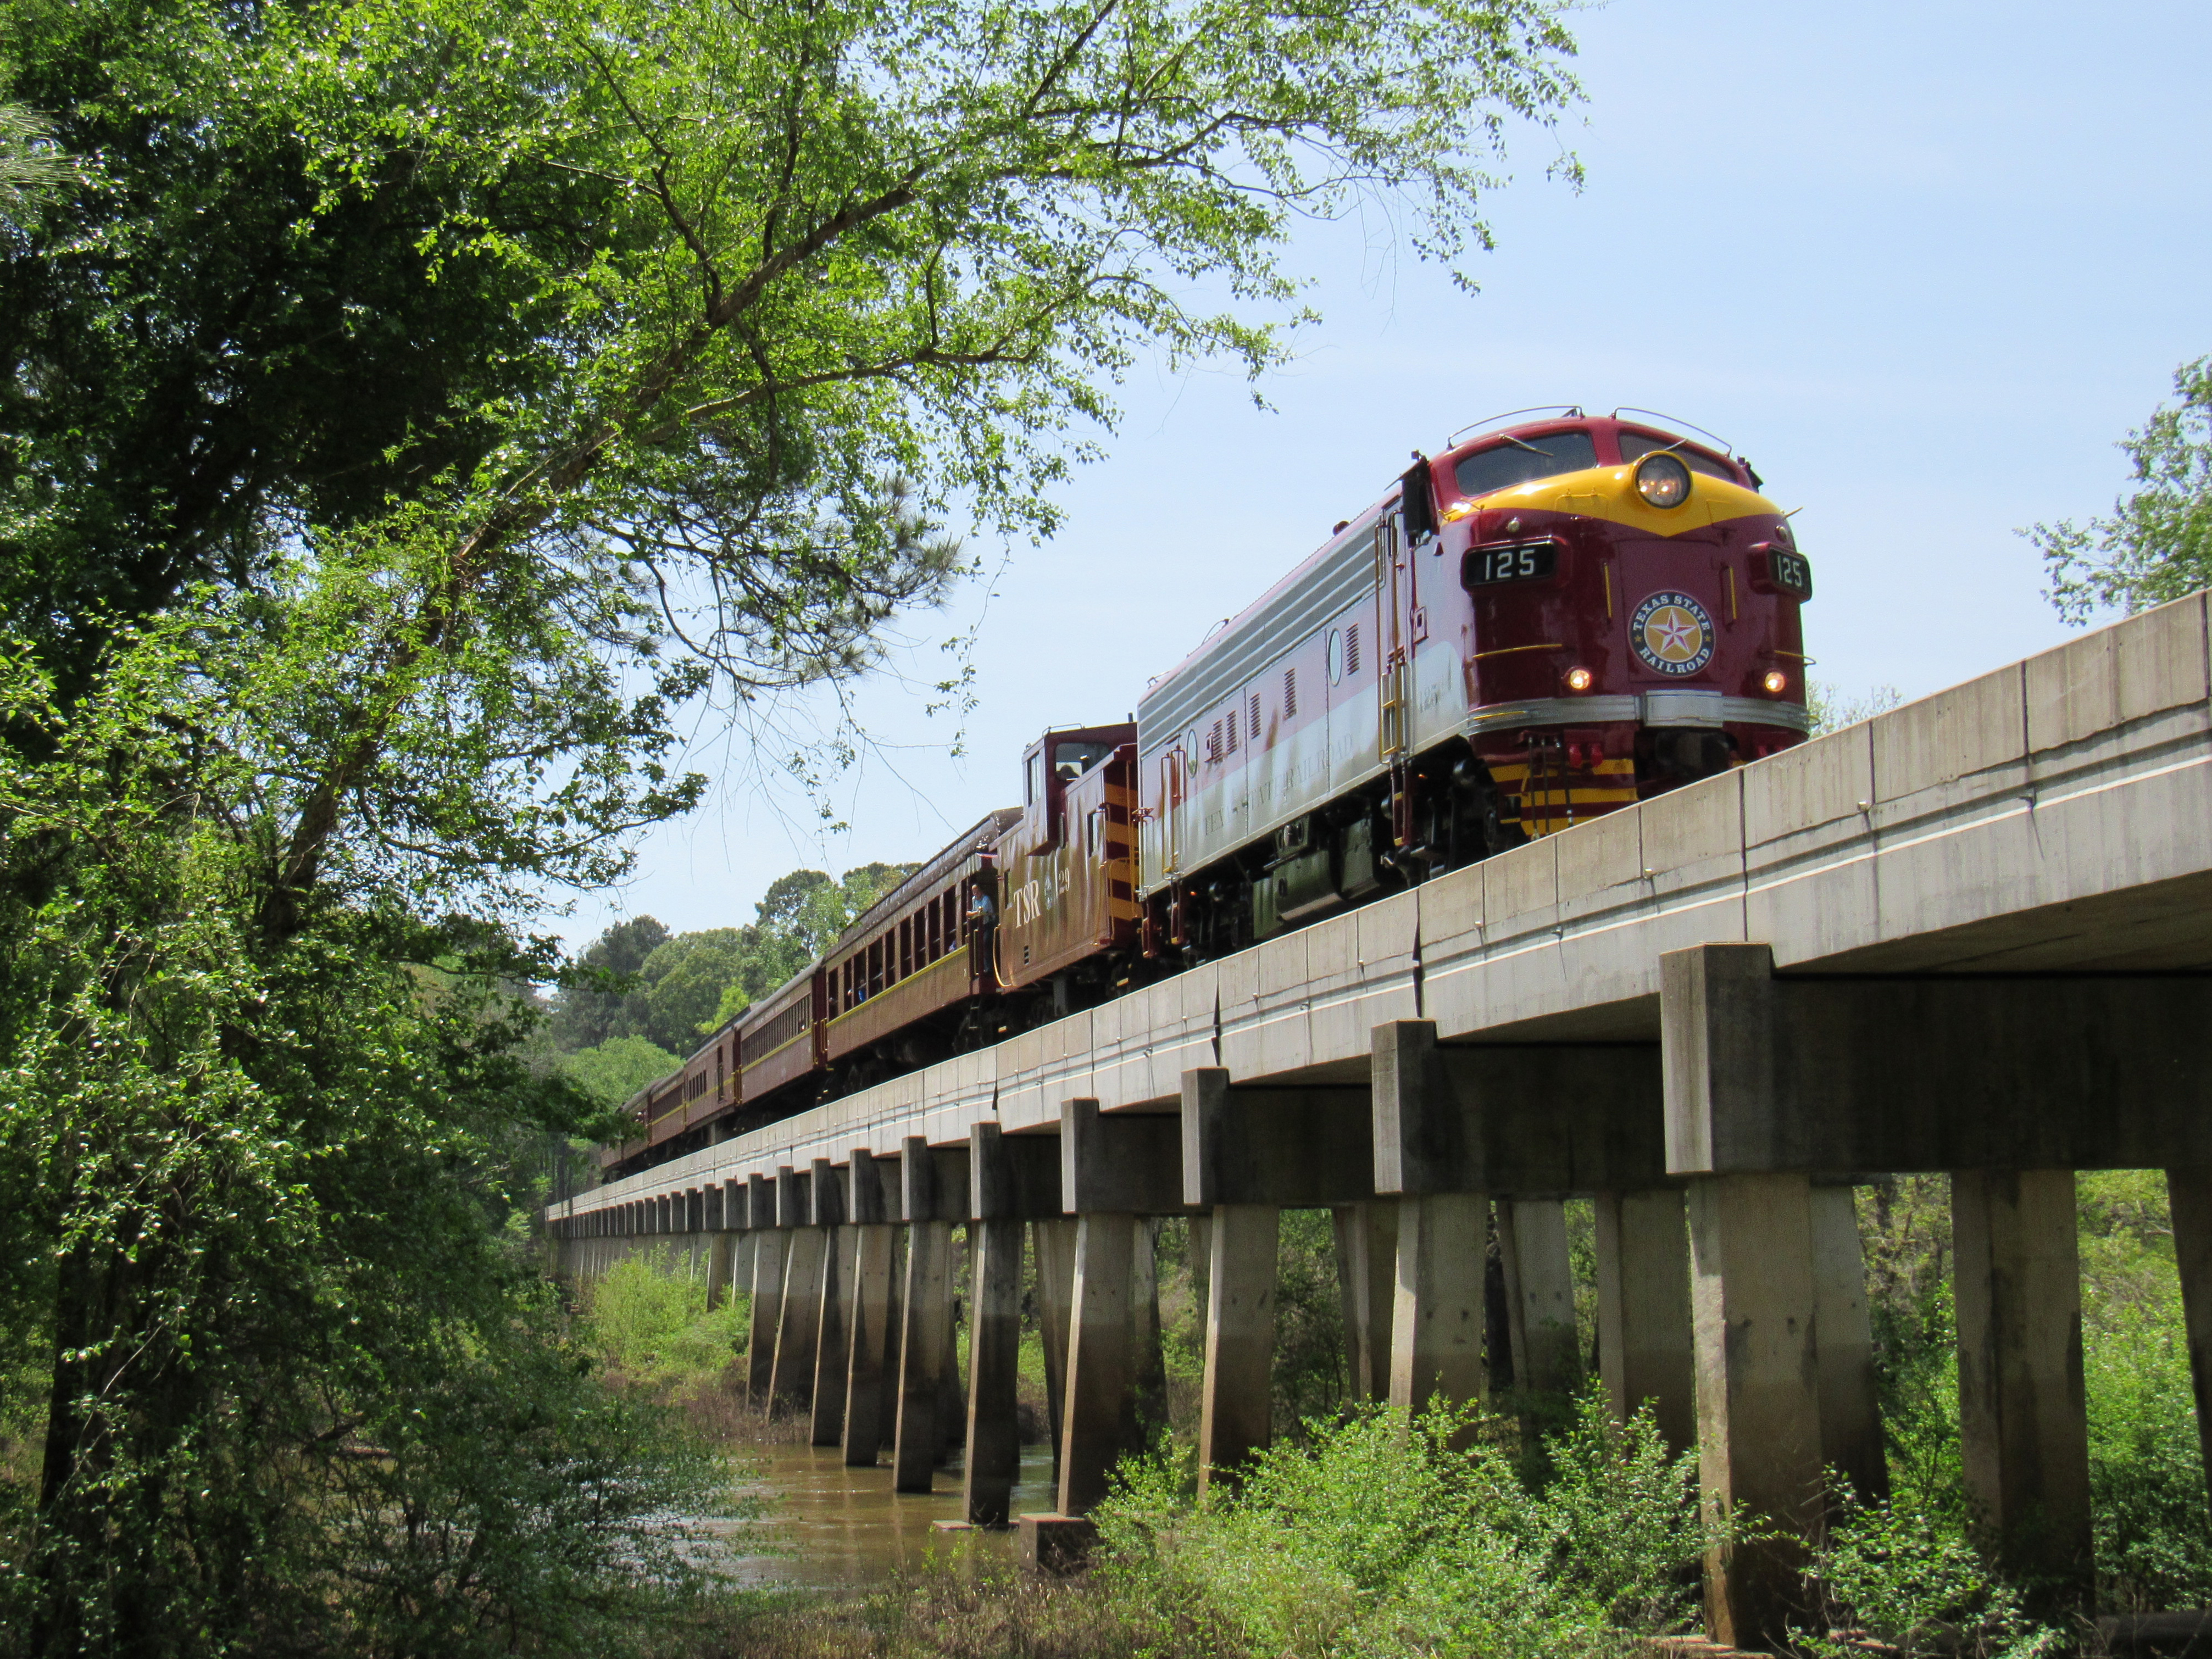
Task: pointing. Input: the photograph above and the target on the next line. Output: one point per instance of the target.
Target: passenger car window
(1518, 461)
(1635, 445)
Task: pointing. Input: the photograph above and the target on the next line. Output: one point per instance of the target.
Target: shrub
(1910, 1579)
(2153, 1538)
(1378, 1537)
(648, 1317)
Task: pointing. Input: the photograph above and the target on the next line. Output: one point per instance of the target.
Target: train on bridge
(1557, 616)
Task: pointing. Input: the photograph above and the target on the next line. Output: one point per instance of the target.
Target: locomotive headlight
(1777, 682)
(1578, 679)
(1663, 480)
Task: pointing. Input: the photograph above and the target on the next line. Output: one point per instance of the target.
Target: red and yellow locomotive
(1548, 620)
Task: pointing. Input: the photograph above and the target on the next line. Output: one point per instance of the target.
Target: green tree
(601, 1001)
(684, 979)
(2157, 545)
(417, 406)
(305, 1394)
(612, 1072)
(797, 920)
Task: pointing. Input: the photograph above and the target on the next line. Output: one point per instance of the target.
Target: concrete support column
(1053, 1242)
(833, 1353)
(1100, 1411)
(2023, 1419)
(871, 1338)
(994, 1342)
(1540, 1281)
(1435, 1318)
(1851, 1407)
(799, 1322)
(1758, 1404)
(952, 1394)
(1367, 1271)
(1145, 1309)
(929, 1329)
(2189, 1191)
(1201, 1257)
(894, 1345)
(721, 1259)
(1008, 1179)
(1643, 1353)
(1236, 1411)
(869, 1319)
(764, 1319)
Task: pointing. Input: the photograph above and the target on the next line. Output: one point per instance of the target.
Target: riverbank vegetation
(1357, 1536)
(418, 422)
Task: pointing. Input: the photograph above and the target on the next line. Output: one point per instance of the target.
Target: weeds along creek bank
(1539, 1525)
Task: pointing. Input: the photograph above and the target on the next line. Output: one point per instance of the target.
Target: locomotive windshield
(1517, 460)
(1634, 446)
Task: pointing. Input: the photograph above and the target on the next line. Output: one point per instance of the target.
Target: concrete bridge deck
(1986, 891)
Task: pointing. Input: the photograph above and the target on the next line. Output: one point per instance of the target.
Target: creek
(841, 1529)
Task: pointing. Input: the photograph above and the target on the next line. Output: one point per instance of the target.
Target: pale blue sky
(1921, 263)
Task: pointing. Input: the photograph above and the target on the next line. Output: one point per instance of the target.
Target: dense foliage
(406, 408)
(641, 999)
(1379, 1538)
(2157, 546)
(300, 1391)
(640, 982)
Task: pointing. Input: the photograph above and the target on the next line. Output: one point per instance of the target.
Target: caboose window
(1635, 445)
(1517, 460)
(1070, 761)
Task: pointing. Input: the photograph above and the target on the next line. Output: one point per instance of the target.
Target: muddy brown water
(830, 1528)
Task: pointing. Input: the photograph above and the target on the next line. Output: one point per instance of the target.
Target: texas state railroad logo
(1672, 633)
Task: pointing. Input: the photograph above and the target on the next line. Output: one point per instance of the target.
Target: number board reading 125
(1790, 572)
(1525, 562)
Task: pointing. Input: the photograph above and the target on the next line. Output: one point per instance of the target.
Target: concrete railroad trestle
(1969, 935)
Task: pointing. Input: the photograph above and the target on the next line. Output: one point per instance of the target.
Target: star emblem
(1673, 634)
